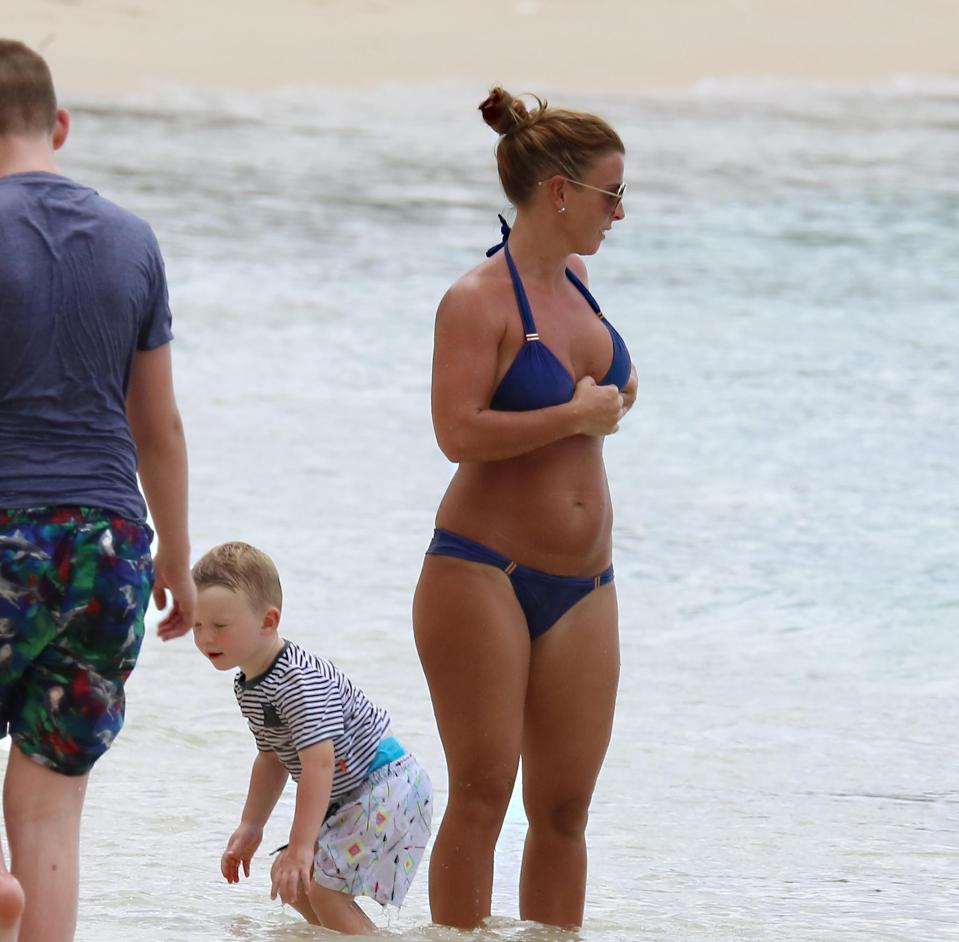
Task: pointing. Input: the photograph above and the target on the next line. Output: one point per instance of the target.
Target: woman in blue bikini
(515, 612)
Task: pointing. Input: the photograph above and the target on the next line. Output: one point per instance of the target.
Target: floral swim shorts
(74, 586)
(374, 841)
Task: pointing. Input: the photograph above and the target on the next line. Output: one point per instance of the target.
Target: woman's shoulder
(489, 275)
(479, 291)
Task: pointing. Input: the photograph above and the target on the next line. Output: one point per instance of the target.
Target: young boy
(363, 804)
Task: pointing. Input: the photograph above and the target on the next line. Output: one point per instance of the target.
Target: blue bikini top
(537, 379)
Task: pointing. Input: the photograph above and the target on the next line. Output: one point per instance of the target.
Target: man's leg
(83, 618)
(42, 811)
(11, 904)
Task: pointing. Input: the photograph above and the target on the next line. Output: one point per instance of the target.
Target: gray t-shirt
(82, 288)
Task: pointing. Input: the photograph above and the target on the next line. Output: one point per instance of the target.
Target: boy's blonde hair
(241, 568)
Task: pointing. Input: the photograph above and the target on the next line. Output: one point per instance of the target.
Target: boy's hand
(292, 868)
(240, 848)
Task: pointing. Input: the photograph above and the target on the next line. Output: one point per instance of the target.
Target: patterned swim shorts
(74, 586)
(373, 843)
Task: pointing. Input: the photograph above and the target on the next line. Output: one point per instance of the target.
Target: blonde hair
(240, 568)
(28, 103)
(536, 144)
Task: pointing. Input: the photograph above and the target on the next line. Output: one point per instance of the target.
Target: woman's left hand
(630, 390)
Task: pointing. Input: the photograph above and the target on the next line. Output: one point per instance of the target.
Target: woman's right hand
(598, 409)
(240, 849)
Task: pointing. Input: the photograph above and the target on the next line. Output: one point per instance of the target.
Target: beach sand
(115, 47)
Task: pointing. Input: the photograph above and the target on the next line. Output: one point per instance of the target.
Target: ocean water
(784, 761)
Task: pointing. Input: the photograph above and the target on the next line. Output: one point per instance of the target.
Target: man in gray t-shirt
(86, 403)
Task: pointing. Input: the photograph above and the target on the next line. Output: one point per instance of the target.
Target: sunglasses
(615, 196)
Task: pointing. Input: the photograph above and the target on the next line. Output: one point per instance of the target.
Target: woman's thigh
(474, 646)
(573, 678)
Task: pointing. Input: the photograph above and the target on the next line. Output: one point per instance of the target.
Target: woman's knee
(563, 817)
(483, 800)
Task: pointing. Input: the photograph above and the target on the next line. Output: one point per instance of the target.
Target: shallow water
(784, 761)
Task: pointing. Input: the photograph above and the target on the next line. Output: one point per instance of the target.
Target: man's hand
(174, 577)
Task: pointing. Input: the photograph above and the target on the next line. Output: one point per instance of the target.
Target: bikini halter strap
(525, 312)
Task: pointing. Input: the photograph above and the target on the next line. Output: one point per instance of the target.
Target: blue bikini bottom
(544, 598)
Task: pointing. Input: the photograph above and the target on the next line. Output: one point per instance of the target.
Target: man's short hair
(241, 568)
(28, 103)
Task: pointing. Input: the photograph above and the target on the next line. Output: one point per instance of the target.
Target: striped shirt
(302, 700)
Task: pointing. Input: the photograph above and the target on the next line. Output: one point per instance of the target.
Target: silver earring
(562, 209)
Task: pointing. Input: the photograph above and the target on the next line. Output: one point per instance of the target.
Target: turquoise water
(784, 763)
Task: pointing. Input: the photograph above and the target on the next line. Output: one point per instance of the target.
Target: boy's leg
(42, 811)
(11, 903)
(302, 902)
(303, 906)
(339, 911)
(330, 909)
(372, 845)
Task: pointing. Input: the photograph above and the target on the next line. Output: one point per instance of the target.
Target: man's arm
(266, 785)
(158, 433)
(312, 799)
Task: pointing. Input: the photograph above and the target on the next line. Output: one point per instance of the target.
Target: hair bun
(502, 112)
